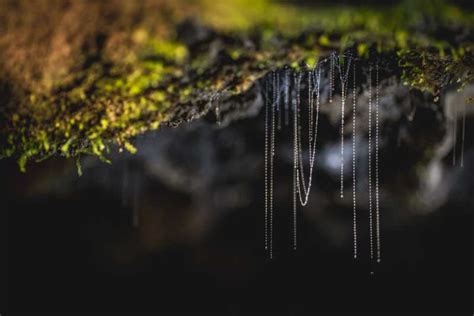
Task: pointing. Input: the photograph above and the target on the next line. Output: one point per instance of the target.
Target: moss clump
(70, 88)
(111, 103)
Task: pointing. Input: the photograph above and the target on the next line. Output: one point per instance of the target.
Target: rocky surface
(69, 90)
(213, 168)
(184, 214)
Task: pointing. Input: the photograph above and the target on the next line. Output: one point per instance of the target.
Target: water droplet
(370, 164)
(303, 175)
(354, 157)
(377, 196)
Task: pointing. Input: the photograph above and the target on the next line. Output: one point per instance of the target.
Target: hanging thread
(377, 204)
(354, 156)
(293, 103)
(370, 164)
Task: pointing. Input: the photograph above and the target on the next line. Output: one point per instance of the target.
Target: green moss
(111, 100)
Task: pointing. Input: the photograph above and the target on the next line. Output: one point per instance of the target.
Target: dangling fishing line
(296, 187)
(342, 137)
(354, 187)
(300, 187)
(266, 163)
(377, 204)
(295, 159)
(343, 78)
(299, 151)
(313, 128)
(370, 164)
(310, 112)
(293, 104)
(331, 76)
(318, 102)
(272, 154)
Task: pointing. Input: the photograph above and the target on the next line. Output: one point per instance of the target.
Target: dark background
(58, 259)
(69, 244)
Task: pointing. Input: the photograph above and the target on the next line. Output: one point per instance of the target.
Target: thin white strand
(295, 163)
(343, 78)
(377, 204)
(370, 165)
(266, 162)
(312, 149)
(272, 154)
(354, 157)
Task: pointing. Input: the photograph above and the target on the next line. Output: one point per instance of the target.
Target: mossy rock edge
(80, 91)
